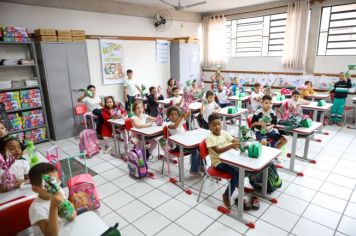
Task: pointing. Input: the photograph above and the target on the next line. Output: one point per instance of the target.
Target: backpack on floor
(89, 143)
(137, 164)
(82, 192)
(53, 158)
(273, 180)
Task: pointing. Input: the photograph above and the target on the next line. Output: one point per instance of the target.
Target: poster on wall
(162, 49)
(112, 61)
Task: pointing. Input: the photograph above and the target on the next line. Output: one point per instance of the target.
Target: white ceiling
(210, 6)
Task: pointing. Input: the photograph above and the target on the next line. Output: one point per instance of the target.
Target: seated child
(170, 85)
(217, 79)
(307, 90)
(152, 105)
(341, 89)
(263, 121)
(256, 96)
(177, 99)
(110, 111)
(221, 96)
(43, 212)
(209, 106)
(176, 126)
(141, 120)
(295, 103)
(12, 146)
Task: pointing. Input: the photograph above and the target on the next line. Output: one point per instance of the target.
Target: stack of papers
(31, 82)
(18, 83)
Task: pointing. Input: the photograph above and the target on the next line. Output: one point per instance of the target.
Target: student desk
(87, 223)
(142, 99)
(189, 139)
(307, 133)
(319, 96)
(244, 163)
(118, 123)
(163, 103)
(314, 106)
(223, 112)
(235, 99)
(149, 132)
(16, 194)
(354, 116)
(275, 102)
(194, 107)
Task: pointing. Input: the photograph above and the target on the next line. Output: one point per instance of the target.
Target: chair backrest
(165, 132)
(15, 218)
(249, 121)
(80, 109)
(203, 150)
(128, 124)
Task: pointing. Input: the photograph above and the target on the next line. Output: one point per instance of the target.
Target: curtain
(295, 41)
(214, 41)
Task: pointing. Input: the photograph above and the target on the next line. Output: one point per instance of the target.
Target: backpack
(137, 164)
(82, 192)
(53, 158)
(88, 143)
(273, 180)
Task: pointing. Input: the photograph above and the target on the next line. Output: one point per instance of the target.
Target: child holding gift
(208, 107)
(177, 99)
(171, 84)
(152, 105)
(256, 96)
(307, 90)
(43, 212)
(221, 96)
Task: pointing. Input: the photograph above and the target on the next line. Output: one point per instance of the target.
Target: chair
(211, 171)
(249, 121)
(80, 111)
(14, 216)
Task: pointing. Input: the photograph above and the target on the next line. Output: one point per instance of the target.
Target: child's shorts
(272, 137)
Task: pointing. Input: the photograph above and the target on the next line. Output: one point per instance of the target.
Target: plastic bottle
(31, 150)
(283, 153)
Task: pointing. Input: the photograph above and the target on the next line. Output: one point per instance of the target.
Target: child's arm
(140, 125)
(233, 145)
(80, 99)
(349, 85)
(304, 102)
(202, 108)
(105, 114)
(151, 118)
(178, 121)
(186, 115)
(180, 103)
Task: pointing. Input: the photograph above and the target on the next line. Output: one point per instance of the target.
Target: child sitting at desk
(19, 169)
(170, 85)
(141, 120)
(43, 212)
(176, 126)
(209, 106)
(307, 90)
(263, 121)
(295, 104)
(152, 105)
(256, 96)
(221, 96)
(177, 99)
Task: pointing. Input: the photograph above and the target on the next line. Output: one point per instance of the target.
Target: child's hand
(235, 145)
(269, 127)
(56, 199)
(73, 216)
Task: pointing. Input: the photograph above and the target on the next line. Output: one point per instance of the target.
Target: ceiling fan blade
(195, 4)
(170, 4)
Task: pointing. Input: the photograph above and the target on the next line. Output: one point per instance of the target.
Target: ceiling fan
(179, 7)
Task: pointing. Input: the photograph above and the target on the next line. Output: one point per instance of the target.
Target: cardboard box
(64, 38)
(77, 33)
(44, 38)
(179, 40)
(64, 33)
(78, 39)
(45, 32)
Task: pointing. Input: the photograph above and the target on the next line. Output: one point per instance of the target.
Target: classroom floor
(323, 202)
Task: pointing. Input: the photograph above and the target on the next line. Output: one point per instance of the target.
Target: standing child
(12, 146)
(43, 212)
(307, 90)
(341, 89)
(129, 90)
(171, 84)
(141, 120)
(152, 105)
(110, 111)
(263, 121)
(221, 96)
(209, 106)
(217, 79)
(176, 126)
(256, 96)
(177, 99)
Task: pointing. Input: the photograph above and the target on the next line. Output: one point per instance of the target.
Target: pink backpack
(137, 164)
(53, 158)
(82, 192)
(88, 143)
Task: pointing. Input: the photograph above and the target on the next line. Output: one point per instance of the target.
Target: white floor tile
(118, 199)
(112, 173)
(300, 192)
(190, 200)
(322, 216)
(336, 191)
(157, 181)
(100, 168)
(341, 181)
(351, 210)
(103, 209)
(112, 218)
(330, 202)
(151, 223)
(98, 180)
(174, 229)
(139, 189)
(308, 182)
(106, 190)
(315, 173)
(347, 226)
(173, 209)
(124, 181)
(194, 221)
(265, 229)
(209, 207)
(131, 230)
(236, 225)
(292, 204)
(280, 218)
(155, 198)
(170, 188)
(217, 228)
(309, 228)
(117, 162)
(133, 210)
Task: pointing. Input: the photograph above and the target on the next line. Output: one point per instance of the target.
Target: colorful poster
(112, 61)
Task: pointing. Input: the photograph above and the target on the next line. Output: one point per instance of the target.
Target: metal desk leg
(143, 146)
(181, 166)
(315, 115)
(224, 123)
(240, 120)
(240, 206)
(116, 143)
(190, 122)
(293, 156)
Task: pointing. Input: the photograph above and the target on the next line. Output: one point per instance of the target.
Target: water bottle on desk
(31, 150)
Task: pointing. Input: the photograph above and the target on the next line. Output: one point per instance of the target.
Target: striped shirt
(341, 88)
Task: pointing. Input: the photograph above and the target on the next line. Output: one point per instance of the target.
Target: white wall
(138, 55)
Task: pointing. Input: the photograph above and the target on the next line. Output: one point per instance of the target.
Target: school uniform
(341, 89)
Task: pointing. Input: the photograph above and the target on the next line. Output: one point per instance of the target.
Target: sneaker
(226, 201)
(247, 204)
(194, 174)
(255, 203)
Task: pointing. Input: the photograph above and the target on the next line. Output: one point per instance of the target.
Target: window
(337, 34)
(256, 36)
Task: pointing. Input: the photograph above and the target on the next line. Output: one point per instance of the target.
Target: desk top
(120, 122)
(302, 130)
(141, 98)
(223, 112)
(165, 101)
(236, 158)
(235, 98)
(149, 131)
(16, 193)
(314, 106)
(87, 223)
(195, 106)
(320, 95)
(189, 139)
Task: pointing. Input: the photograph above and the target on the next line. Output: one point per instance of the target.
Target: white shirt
(39, 210)
(222, 96)
(255, 104)
(20, 168)
(142, 119)
(209, 109)
(92, 103)
(176, 100)
(131, 87)
(180, 129)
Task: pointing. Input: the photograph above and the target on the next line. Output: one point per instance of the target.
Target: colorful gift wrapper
(8, 180)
